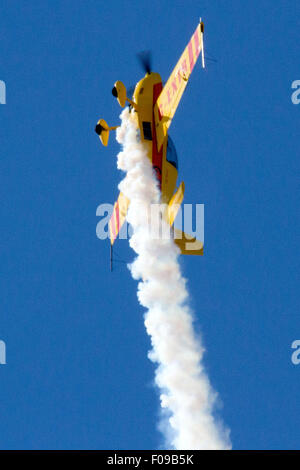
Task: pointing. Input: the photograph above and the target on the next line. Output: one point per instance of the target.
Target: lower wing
(118, 216)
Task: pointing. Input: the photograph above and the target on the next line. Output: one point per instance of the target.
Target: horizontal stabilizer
(188, 244)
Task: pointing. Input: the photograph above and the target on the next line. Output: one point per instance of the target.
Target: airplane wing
(172, 92)
(174, 205)
(118, 217)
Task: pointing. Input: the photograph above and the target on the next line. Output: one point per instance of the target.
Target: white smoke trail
(186, 393)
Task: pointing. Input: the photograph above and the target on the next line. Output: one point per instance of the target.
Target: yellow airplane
(154, 106)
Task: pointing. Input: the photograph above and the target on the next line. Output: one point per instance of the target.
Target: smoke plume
(186, 396)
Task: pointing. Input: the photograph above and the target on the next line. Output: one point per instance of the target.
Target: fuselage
(145, 96)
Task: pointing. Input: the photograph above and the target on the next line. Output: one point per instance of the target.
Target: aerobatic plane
(154, 107)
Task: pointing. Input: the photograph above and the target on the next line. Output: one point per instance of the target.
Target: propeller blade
(145, 60)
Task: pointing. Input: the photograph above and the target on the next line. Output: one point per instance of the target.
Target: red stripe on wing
(191, 56)
(113, 226)
(197, 42)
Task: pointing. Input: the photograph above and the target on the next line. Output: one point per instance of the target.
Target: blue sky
(77, 373)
